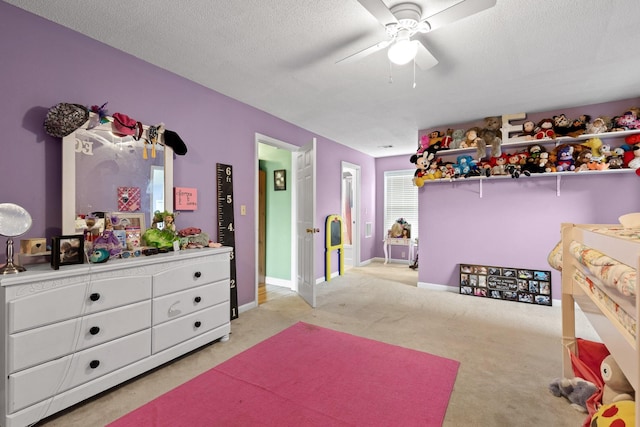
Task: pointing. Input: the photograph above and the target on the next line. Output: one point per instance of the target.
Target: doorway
(350, 212)
(281, 255)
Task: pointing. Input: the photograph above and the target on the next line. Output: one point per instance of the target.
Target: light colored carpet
(509, 351)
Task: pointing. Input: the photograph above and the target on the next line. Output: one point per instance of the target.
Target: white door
(306, 228)
(350, 212)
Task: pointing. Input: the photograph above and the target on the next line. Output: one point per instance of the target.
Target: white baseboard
(436, 287)
(285, 283)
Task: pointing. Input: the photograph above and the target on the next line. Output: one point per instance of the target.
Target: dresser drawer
(49, 342)
(72, 301)
(43, 381)
(178, 304)
(190, 275)
(184, 328)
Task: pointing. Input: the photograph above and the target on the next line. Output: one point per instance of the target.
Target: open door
(350, 211)
(306, 228)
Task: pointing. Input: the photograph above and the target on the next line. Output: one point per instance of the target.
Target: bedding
(622, 310)
(612, 273)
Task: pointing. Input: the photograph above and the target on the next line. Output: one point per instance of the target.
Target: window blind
(400, 200)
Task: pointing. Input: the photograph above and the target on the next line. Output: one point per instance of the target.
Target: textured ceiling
(280, 57)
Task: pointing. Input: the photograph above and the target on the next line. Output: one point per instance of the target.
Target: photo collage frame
(506, 283)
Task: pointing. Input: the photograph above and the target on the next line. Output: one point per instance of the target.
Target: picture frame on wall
(67, 250)
(280, 179)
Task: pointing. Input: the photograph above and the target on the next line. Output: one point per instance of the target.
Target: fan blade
(365, 52)
(458, 11)
(424, 58)
(380, 11)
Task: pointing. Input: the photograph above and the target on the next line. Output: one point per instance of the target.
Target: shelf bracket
(480, 189)
(558, 179)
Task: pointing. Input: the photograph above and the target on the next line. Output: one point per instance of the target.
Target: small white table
(397, 241)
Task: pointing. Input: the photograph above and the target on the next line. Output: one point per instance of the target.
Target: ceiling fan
(405, 20)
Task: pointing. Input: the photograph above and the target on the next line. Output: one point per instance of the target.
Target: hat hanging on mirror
(173, 140)
(14, 221)
(64, 118)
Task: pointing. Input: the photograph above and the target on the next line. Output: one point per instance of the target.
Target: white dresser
(72, 333)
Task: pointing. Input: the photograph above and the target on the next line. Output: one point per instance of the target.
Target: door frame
(267, 140)
(355, 230)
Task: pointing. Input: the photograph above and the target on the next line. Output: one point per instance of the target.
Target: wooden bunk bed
(599, 266)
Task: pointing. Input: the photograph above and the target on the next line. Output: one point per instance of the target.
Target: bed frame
(620, 343)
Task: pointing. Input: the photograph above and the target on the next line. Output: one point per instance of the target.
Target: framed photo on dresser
(67, 250)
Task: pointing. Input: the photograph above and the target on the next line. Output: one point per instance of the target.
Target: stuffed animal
(532, 160)
(436, 137)
(421, 163)
(628, 121)
(619, 414)
(446, 141)
(576, 390)
(582, 161)
(491, 135)
(599, 125)
(615, 160)
(425, 141)
(544, 129)
(514, 168)
(594, 144)
(107, 240)
(499, 164)
(565, 160)
(616, 386)
(528, 130)
(468, 166)
(458, 137)
(562, 126)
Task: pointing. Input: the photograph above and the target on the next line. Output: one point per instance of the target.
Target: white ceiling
(280, 57)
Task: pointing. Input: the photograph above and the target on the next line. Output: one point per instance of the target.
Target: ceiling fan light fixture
(402, 51)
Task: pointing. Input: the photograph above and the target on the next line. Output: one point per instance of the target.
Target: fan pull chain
(390, 69)
(414, 72)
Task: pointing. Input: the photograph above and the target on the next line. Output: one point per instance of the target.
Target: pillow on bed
(555, 257)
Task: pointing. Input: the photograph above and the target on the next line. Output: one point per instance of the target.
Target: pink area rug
(310, 376)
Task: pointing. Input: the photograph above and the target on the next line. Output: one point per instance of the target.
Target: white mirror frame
(69, 210)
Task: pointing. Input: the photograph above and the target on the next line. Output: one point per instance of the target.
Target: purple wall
(517, 222)
(44, 63)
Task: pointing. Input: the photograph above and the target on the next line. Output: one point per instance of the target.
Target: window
(400, 200)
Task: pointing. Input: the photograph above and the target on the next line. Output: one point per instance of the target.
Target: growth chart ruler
(226, 225)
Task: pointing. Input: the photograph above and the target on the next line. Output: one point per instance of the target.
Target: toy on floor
(576, 390)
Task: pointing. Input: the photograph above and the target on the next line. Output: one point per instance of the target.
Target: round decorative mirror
(14, 221)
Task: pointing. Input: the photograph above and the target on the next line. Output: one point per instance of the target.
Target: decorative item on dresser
(76, 332)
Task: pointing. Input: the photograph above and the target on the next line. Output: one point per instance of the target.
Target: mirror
(14, 221)
(107, 172)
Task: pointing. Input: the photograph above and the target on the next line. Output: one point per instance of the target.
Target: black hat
(64, 118)
(173, 140)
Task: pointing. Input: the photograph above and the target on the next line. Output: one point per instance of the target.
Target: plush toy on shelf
(447, 140)
(599, 125)
(491, 135)
(616, 386)
(499, 164)
(628, 121)
(514, 167)
(565, 160)
(544, 130)
(458, 136)
(425, 141)
(562, 126)
(528, 130)
(421, 163)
